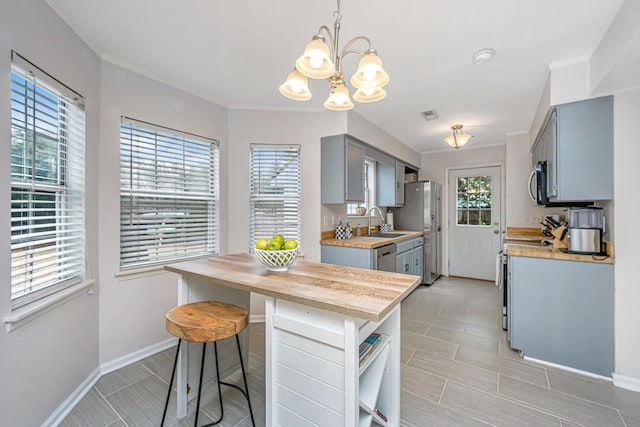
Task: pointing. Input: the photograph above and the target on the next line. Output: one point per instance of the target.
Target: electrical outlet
(325, 220)
(333, 220)
(535, 219)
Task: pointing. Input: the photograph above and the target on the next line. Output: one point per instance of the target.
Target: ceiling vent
(430, 115)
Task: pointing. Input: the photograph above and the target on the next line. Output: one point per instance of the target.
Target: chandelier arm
(352, 41)
(329, 35)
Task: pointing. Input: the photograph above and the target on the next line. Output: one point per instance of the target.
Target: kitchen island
(317, 315)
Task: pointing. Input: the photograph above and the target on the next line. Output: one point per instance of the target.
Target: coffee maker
(586, 229)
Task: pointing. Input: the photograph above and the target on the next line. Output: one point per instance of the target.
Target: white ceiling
(237, 52)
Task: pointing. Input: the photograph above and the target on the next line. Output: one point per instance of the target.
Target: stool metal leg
(244, 377)
(173, 373)
(204, 351)
(244, 392)
(215, 349)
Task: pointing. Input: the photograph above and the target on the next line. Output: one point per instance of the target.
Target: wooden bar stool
(207, 321)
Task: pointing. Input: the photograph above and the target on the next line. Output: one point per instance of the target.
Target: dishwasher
(385, 257)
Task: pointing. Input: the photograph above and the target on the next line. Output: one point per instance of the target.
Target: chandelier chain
(336, 14)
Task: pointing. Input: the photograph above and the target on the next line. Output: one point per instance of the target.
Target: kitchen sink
(385, 235)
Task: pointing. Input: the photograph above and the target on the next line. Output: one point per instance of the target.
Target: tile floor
(457, 371)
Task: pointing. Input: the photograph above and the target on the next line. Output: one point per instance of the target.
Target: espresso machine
(586, 230)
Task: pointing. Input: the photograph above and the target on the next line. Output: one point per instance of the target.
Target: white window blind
(275, 192)
(169, 194)
(47, 184)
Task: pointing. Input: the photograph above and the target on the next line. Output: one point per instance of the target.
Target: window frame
(171, 197)
(47, 184)
(292, 225)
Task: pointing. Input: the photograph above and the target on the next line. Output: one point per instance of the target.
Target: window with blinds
(47, 184)
(169, 194)
(275, 192)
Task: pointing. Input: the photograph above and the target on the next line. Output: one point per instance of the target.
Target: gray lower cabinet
(351, 257)
(410, 257)
(418, 261)
(562, 312)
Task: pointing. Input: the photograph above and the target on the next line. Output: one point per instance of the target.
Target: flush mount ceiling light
(483, 55)
(324, 61)
(457, 138)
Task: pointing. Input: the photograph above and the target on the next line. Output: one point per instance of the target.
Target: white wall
(132, 308)
(627, 236)
(519, 207)
(364, 130)
(44, 361)
(434, 167)
(277, 127)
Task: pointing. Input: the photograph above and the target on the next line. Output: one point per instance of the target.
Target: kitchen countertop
(526, 242)
(355, 292)
(366, 242)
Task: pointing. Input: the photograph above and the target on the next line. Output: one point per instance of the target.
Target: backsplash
(331, 215)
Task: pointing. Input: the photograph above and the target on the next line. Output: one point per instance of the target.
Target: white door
(474, 222)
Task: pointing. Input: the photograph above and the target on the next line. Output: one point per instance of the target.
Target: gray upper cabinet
(577, 144)
(342, 176)
(390, 184)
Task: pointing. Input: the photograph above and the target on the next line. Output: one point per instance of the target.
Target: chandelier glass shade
(322, 60)
(457, 138)
(296, 87)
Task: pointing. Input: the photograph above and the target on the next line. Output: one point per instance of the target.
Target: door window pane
(474, 201)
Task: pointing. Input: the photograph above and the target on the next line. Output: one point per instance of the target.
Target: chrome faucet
(369, 217)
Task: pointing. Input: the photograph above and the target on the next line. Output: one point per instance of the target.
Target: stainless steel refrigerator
(422, 212)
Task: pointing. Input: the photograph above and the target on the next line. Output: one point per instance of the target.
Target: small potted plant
(361, 210)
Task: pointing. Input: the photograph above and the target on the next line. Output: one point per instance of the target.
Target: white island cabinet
(317, 315)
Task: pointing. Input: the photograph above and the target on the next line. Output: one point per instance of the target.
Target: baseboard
(70, 402)
(630, 383)
(130, 358)
(257, 318)
(74, 398)
(567, 368)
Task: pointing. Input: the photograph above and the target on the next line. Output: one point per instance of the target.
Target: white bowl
(277, 260)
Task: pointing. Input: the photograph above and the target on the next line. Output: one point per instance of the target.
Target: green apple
(262, 244)
(290, 244)
(279, 238)
(274, 245)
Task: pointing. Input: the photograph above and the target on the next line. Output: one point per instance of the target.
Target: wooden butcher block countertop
(525, 242)
(366, 242)
(515, 249)
(355, 292)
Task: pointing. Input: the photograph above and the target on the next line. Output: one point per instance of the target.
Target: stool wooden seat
(208, 321)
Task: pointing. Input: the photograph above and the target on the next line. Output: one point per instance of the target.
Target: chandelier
(457, 138)
(324, 61)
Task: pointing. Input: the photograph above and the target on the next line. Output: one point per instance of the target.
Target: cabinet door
(404, 262)
(562, 312)
(585, 150)
(418, 262)
(399, 190)
(354, 172)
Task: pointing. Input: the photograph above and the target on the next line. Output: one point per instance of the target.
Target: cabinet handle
(406, 267)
